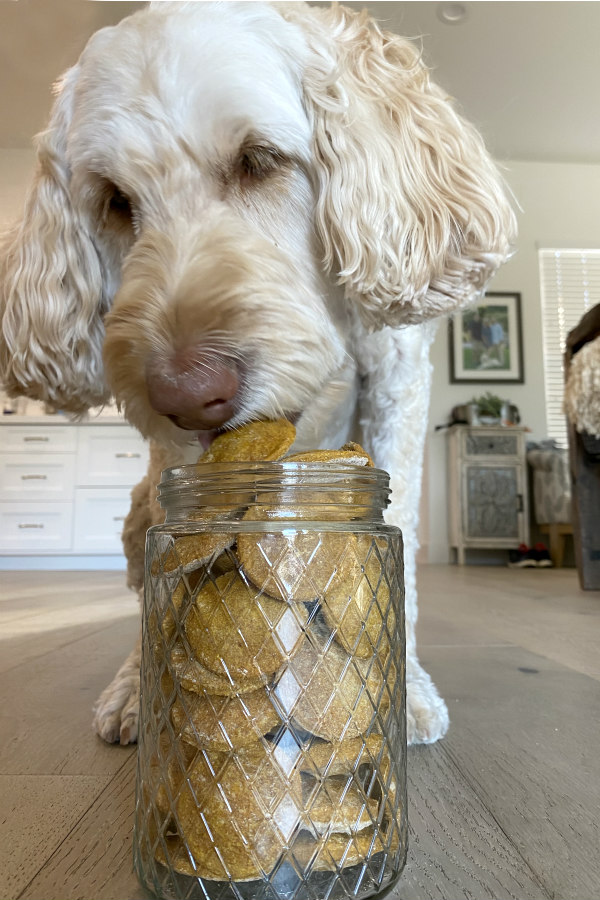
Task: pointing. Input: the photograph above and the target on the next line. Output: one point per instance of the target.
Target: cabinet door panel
(492, 502)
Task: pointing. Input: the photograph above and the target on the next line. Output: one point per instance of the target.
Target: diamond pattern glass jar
(272, 743)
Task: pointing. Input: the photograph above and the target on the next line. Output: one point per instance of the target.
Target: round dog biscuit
(329, 457)
(296, 566)
(220, 723)
(329, 694)
(232, 630)
(341, 758)
(356, 448)
(357, 600)
(250, 809)
(193, 676)
(192, 551)
(337, 850)
(254, 442)
(336, 807)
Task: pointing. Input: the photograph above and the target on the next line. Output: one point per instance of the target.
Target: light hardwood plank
(524, 735)
(543, 611)
(45, 727)
(95, 861)
(37, 813)
(456, 849)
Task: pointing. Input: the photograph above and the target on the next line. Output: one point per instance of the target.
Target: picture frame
(486, 341)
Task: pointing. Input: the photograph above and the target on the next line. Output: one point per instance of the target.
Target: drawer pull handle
(118, 518)
(34, 477)
(128, 455)
(37, 438)
(30, 525)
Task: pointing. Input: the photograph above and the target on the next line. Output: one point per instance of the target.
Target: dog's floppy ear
(51, 284)
(412, 211)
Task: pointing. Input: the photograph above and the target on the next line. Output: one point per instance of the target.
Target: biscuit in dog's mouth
(205, 438)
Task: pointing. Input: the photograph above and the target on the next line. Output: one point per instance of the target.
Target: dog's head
(221, 186)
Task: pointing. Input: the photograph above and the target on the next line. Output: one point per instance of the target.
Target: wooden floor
(507, 806)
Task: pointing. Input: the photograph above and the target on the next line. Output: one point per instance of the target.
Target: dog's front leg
(394, 402)
(116, 711)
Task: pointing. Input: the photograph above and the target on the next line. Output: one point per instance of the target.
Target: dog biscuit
(356, 602)
(262, 441)
(294, 566)
(354, 456)
(193, 676)
(327, 693)
(335, 807)
(222, 723)
(231, 629)
(341, 758)
(192, 551)
(251, 807)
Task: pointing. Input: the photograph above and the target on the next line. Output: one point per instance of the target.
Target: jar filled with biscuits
(272, 739)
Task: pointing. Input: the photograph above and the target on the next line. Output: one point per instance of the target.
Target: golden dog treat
(329, 695)
(231, 629)
(356, 448)
(341, 758)
(328, 854)
(220, 723)
(354, 457)
(192, 551)
(178, 858)
(357, 600)
(289, 566)
(255, 442)
(193, 676)
(335, 807)
(162, 626)
(250, 806)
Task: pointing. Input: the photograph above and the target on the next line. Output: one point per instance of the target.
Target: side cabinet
(487, 488)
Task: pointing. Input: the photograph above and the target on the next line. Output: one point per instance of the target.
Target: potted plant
(489, 408)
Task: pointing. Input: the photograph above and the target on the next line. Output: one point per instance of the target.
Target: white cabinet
(110, 456)
(65, 489)
(487, 488)
(34, 527)
(99, 517)
(36, 476)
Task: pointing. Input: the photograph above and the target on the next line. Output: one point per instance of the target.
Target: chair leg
(556, 539)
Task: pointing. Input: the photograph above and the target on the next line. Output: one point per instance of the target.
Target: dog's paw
(117, 709)
(426, 713)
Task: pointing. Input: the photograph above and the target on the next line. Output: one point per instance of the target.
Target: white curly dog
(246, 210)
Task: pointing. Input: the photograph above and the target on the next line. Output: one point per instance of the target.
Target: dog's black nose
(196, 389)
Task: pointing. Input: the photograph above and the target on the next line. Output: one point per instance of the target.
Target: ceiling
(527, 73)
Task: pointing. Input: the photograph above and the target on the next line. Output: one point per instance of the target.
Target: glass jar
(272, 738)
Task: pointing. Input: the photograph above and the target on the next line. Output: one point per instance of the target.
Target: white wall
(560, 207)
(16, 169)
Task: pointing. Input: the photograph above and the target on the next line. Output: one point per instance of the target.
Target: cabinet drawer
(33, 438)
(99, 517)
(110, 455)
(489, 444)
(39, 476)
(35, 527)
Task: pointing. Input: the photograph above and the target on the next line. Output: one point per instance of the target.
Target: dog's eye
(119, 203)
(257, 163)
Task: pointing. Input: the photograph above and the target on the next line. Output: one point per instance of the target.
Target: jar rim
(290, 483)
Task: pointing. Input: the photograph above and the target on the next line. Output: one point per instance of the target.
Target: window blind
(570, 285)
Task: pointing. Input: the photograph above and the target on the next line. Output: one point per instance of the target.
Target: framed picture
(486, 341)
